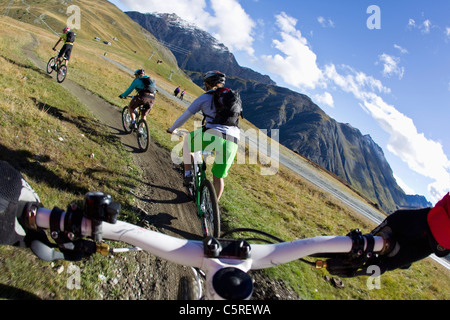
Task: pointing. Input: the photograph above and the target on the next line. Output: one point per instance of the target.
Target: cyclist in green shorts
(222, 139)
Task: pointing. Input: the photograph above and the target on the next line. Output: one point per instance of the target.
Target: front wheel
(209, 207)
(61, 75)
(188, 289)
(143, 135)
(51, 64)
(126, 120)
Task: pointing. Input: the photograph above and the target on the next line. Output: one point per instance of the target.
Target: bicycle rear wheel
(61, 74)
(210, 209)
(50, 65)
(126, 120)
(143, 135)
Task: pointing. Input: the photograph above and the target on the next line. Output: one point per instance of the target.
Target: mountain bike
(54, 64)
(141, 126)
(81, 231)
(203, 193)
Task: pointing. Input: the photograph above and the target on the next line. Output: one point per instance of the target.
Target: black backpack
(228, 107)
(149, 85)
(71, 36)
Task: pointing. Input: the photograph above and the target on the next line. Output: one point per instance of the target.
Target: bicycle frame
(199, 167)
(201, 254)
(142, 132)
(59, 67)
(205, 196)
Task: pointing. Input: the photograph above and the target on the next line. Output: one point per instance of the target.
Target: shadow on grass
(89, 127)
(11, 293)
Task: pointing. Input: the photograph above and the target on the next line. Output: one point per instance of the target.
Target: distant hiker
(182, 94)
(68, 37)
(145, 86)
(223, 135)
(176, 91)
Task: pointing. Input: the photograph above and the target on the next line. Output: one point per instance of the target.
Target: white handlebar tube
(177, 250)
(270, 255)
(192, 252)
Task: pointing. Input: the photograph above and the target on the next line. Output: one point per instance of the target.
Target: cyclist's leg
(219, 185)
(187, 155)
(149, 101)
(67, 54)
(224, 159)
(62, 54)
(134, 103)
(192, 142)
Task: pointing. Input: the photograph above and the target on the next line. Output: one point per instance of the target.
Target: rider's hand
(411, 239)
(15, 193)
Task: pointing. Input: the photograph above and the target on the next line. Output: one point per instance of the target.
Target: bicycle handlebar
(97, 220)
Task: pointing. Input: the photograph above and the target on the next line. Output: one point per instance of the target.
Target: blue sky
(381, 66)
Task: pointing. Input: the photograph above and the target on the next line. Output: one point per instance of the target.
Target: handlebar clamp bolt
(55, 235)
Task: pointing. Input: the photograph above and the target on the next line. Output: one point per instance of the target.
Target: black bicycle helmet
(214, 77)
(139, 72)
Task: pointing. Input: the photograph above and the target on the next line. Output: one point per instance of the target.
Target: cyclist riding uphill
(220, 132)
(68, 37)
(146, 89)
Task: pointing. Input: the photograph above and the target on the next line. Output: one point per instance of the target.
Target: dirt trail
(164, 205)
(160, 196)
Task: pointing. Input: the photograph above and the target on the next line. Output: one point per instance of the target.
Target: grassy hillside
(41, 125)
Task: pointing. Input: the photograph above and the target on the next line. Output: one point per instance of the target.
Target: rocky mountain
(303, 126)
(195, 49)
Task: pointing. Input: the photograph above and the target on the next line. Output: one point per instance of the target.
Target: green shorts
(225, 150)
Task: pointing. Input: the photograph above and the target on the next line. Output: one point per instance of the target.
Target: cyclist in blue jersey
(146, 89)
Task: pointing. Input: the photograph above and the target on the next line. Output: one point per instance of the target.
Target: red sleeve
(439, 221)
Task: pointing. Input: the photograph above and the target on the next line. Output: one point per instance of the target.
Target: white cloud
(422, 155)
(189, 10)
(401, 49)
(234, 25)
(404, 186)
(325, 22)
(297, 63)
(424, 27)
(357, 83)
(391, 66)
(229, 23)
(325, 99)
(411, 23)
